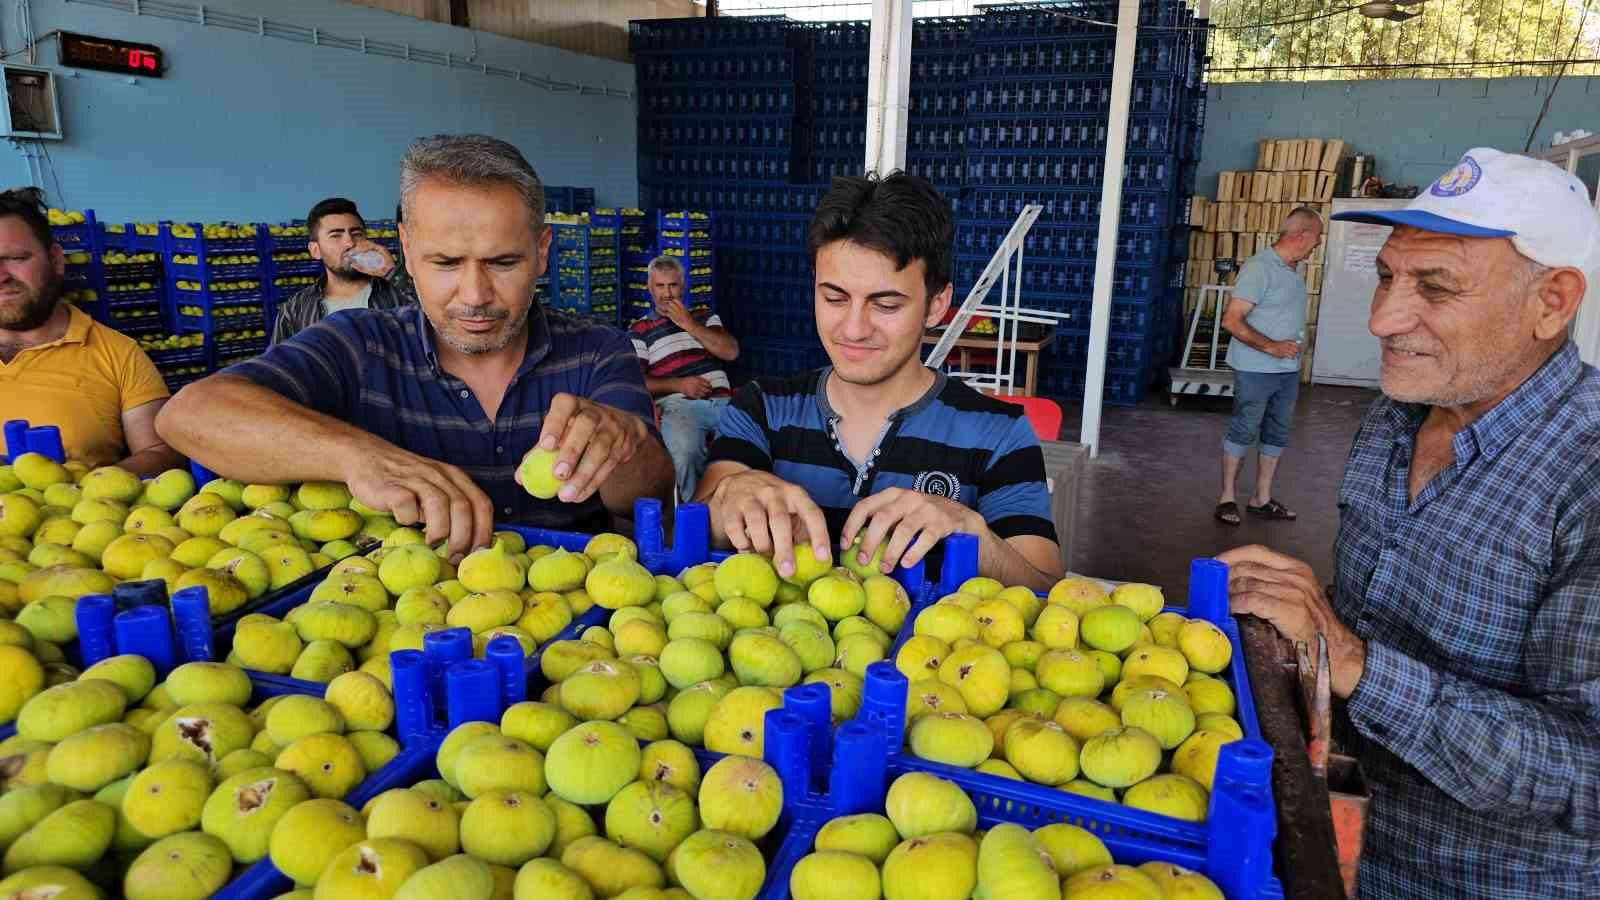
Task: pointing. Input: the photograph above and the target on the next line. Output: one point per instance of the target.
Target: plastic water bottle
(369, 261)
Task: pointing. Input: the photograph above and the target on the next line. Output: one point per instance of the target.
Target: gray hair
(1299, 219)
(1528, 274)
(665, 263)
(470, 159)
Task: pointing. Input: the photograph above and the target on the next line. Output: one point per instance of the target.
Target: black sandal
(1227, 513)
(1272, 509)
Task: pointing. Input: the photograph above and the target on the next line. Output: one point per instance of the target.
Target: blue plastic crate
(84, 236)
(714, 65)
(884, 702)
(202, 246)
(756, 34)
(1053, 242)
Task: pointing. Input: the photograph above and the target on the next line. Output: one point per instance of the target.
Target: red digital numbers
(139, 59)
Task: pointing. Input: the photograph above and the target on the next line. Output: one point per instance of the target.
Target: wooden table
(1026, 344)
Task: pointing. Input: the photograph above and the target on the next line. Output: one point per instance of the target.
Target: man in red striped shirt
(683, 351)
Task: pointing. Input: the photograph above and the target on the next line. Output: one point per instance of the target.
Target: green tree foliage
(1262, 41)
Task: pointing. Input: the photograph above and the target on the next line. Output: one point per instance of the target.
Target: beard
(34, 307)
(480, 344)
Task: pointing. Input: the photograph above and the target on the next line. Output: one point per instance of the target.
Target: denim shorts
(1263, 409)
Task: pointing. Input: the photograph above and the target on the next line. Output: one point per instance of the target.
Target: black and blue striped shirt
(952, 442)
(377, 370)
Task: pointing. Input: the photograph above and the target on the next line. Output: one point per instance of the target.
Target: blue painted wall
(1414, 127)
(251, 128)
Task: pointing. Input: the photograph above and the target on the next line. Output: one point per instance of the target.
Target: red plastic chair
(1043, 414)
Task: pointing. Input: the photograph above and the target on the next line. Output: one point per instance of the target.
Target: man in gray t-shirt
(1267, 318)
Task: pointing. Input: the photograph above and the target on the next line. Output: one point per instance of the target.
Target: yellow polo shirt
(81, 383)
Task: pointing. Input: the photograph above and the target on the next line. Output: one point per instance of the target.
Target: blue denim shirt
(1477, 719)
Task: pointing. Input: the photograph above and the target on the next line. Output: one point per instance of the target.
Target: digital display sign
(110, 55)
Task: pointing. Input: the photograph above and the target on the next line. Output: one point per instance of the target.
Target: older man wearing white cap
(1464, 622)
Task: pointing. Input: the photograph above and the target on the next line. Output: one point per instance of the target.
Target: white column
(1105, 257)
(888, 85)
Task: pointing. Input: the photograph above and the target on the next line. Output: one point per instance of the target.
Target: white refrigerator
(1346, 352)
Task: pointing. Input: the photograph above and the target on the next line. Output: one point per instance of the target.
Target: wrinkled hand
(591, 440)
(1284, 591)
(676, 313)
(694, 387)
(764, 514)
(415, 489)
(911, 522)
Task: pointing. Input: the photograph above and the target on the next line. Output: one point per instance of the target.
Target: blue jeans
(685, 425)
(1263, 408)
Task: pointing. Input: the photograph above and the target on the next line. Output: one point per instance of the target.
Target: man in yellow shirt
(59, 367)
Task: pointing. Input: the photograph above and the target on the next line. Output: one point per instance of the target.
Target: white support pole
(888, 85)
(1105, 257)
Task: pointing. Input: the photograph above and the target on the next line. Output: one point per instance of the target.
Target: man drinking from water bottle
(356, 272)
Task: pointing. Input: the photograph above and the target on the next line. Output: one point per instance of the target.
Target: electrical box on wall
(31, 107)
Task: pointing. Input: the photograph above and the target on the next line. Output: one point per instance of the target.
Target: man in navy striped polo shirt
(426, 412)
(878, 446)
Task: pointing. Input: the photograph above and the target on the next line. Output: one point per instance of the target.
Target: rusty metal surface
(1304, 851)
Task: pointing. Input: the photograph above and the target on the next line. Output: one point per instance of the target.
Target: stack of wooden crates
(1248, 209)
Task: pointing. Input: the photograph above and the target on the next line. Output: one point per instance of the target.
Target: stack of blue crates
(636, 244)
(134, 294)
(84, 284)
(1007, 107)
(568, 200)
(687, 235)
(219, 287)
(135, 301)
(1037, 106)
(584, 270)
(290, 266)
(718, 104)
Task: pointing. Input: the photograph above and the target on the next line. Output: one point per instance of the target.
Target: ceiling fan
(1392, 10)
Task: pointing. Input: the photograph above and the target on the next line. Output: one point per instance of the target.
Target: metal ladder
(1009, 314)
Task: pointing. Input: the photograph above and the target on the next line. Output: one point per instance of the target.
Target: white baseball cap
(1545, 211)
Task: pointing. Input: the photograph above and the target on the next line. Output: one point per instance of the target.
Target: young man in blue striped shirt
(427, 411)
(878, 446)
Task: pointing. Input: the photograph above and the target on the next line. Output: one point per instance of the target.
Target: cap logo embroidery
(1458, 180)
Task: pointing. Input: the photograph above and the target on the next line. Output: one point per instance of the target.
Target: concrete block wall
(1414, 127)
